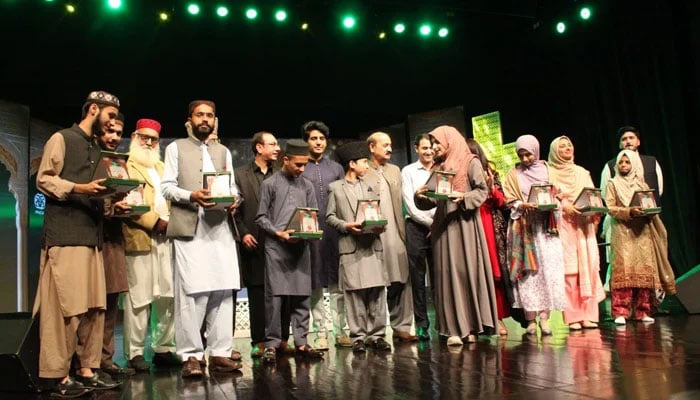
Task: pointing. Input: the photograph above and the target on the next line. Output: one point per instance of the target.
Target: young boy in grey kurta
(362, 277)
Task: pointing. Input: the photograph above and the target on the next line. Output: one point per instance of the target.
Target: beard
(143, 155)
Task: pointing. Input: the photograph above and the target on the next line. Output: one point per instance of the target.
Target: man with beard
(387, 178)
(418, 224)
(321, 172)
(206, 273)
(70, 298)
(114, 262)
(629, 140)
(287, 262)
(249, 178)
(149, 272)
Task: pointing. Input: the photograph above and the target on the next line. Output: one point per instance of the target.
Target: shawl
(568, 177)
(457, 155)
(626, 185)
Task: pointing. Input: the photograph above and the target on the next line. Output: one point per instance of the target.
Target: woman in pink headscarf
(584, 289)
(465, 300)
(536, 259)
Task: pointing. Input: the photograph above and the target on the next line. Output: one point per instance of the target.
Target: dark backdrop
(633, 63)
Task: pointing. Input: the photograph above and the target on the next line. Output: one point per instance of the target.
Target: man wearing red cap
(206, 273)
(149, 270)
(70, 298)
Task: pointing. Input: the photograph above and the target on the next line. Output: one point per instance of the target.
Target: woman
(495, 230)
(464, 294)
(535, 250)
(584, 289)
(638, 268)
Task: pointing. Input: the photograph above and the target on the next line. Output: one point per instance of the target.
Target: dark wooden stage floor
(639, 361)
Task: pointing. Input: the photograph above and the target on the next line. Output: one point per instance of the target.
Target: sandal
(307, 351)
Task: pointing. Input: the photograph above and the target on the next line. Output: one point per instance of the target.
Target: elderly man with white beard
(148, 264)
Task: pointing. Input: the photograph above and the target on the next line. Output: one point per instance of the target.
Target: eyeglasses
(145, 138)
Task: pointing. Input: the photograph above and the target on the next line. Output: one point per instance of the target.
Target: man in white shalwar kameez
(206, 272)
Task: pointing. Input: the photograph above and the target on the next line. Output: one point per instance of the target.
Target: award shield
(542, 195)
(304, 222)
(135, 200)
(646, 200)
(590, 202)
(440, 184)
(219, 186)
(112, 167)
(369, 215)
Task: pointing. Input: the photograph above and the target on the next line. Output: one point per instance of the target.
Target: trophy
(304, 222)
(219, 186)
(369, 215)
(542, 194)
(112, 167)
(646, 200)
(440, 184)
(135, 200)
(590, 202)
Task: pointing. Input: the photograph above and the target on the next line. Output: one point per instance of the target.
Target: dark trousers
(419, 252)
(256, 313)
(110, 322)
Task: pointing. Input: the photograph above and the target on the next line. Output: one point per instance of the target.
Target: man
(630, 140)
(387, 178)
(287, 260)
(249, 178)
(321, 171)
(205, 260)
(114, 263)
(418, 224)
(71, 255)
(149, 270)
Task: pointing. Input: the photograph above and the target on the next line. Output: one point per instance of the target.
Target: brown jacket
(137, 230)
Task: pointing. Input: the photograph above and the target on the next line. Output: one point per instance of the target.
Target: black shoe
(68, 390)
(139, 364)
(359, 346)
(270, 355)
(423, 334)
(98, 381)
(167, 359)
(379, 345)
(113, 369)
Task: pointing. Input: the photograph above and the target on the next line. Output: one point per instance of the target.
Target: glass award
(590, 202)
(440, 184)
(112, 167)
(646, 200)
(135, 200)
(543, 195)
(304, 222)
(219, 186)
(369, 215)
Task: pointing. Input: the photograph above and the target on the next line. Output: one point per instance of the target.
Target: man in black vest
(629, 140)
(71, 295)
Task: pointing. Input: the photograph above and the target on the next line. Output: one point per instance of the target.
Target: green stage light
(251, 13)
(443, 32)
(222, 11)
(280, 15)
(585, 13)
(114, 4)
(425, 30)
(193, 8)
(399, 28)
(349, 22)
(561, 27)
(70, 8)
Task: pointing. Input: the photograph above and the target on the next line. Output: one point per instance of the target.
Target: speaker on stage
(688, 287)
(19, 353)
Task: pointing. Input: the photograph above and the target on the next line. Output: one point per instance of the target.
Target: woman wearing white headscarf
(534, 248)
(584, 290)
(638, 245)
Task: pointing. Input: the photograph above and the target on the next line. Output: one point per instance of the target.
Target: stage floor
(638, 361)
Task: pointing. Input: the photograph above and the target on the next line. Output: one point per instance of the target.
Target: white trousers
(136, 323)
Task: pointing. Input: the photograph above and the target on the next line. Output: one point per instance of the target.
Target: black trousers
(420, 256)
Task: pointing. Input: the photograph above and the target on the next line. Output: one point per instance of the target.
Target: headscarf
(568, 177)
(626, 185)
(535, 173)
(457, 154)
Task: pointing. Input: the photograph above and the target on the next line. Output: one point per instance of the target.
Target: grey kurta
(465, 300)
(360, 255)
(288, 268)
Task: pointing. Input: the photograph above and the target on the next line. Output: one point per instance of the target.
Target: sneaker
(321, 343)
(379, 345)
(139, 364)
(343, 341)
(620, 321)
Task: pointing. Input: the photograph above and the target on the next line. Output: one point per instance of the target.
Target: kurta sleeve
(332, 218)
(475, 197)
(262, 219)
(169, 183)
(48, 179)
(616, 209)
